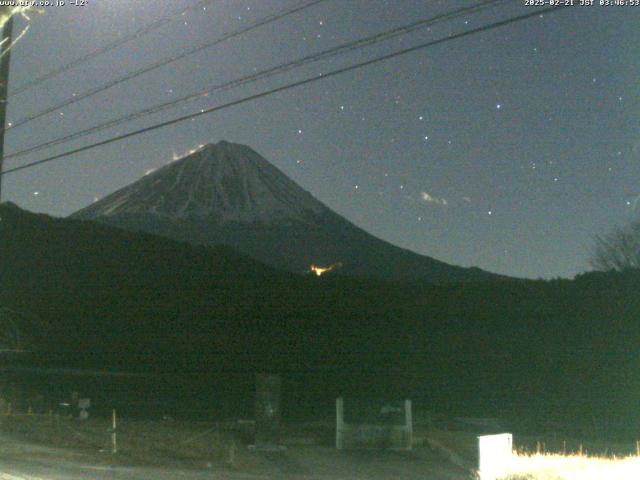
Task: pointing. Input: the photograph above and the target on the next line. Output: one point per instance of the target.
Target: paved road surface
(299, 463)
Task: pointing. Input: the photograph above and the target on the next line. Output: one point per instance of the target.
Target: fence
(374, 435)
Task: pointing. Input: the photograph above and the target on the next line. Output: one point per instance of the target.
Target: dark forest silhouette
(533, 351)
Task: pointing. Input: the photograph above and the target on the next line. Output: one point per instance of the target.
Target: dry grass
(551, 466)
(139, 442)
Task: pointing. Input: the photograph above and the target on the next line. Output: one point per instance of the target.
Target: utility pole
(5, 55)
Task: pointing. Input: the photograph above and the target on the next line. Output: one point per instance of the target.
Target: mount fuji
(228, 194)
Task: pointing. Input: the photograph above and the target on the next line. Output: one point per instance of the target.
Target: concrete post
(114, 438)
(340, 423)
(408, 423)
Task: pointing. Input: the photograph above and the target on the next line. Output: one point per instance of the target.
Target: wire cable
(323, 55)
(289, 86)
(107, 48)
(161, 63)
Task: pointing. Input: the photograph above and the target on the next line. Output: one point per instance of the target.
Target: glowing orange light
(321, 270)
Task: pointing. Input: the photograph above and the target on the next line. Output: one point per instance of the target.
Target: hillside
(228, 194)
(99, 297)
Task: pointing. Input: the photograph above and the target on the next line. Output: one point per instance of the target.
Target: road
(25, 462)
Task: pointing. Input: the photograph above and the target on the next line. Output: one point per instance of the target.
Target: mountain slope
(228, 194)
(92, 284)
(225, 183)
(96, 297)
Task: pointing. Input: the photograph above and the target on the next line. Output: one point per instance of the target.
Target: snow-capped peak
(225, 181)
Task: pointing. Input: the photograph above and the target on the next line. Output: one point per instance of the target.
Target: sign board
(268, 411)
(495, 453)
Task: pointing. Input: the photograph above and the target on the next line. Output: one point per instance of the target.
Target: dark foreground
(30, 462)
(59, 447)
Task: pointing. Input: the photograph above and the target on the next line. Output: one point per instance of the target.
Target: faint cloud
(467, 199)
(429, 199)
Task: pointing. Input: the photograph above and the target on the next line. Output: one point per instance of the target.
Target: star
(498, 106)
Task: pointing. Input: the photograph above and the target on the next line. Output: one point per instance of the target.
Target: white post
(114, 441)
(495, 453)
(339, 423)
(408, 422)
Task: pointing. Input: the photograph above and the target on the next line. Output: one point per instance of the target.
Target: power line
(329, 53)
(107, 48)
(161, 63)
(289, 86)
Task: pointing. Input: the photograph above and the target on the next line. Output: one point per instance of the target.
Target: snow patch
(226, 181)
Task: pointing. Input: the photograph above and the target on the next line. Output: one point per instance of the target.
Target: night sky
(508, 150)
